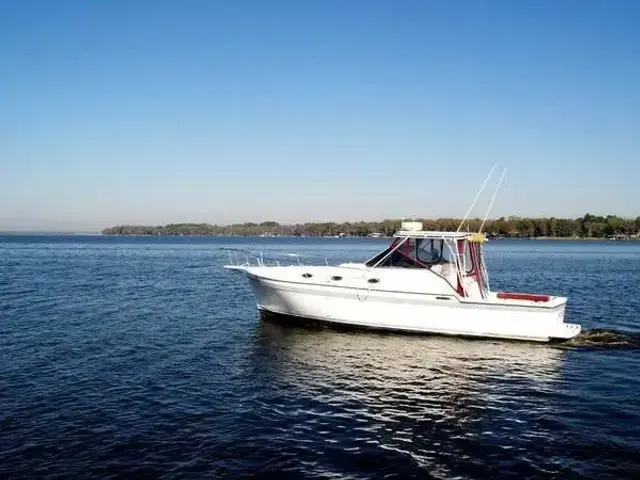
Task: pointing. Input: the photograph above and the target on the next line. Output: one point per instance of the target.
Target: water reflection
(376, 358)
(416, 396)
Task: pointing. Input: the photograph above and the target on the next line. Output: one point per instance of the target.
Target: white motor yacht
(423, 282)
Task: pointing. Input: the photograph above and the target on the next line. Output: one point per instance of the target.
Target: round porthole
(336, 277)
(307, 275)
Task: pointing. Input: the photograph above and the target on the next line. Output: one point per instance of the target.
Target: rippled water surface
(142, 357)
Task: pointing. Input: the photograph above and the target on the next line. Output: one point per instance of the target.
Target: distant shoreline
(588, 227)
(256, 236)
(631, 239)
(383, 237)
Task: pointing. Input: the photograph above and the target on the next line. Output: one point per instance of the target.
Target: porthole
(336, 277)
(373, 280)
(307, 275)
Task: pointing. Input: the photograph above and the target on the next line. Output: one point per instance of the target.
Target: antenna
(504, 172)
(476, 199)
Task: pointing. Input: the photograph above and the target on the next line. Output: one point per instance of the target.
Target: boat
(431, 282)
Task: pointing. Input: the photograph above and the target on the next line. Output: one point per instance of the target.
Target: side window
(468, 264)
(405, 255)
(430, 250)
(449, 250)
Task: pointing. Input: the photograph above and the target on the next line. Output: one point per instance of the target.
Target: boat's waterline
(412, 312)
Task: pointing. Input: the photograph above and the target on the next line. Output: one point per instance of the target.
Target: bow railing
(239, 257)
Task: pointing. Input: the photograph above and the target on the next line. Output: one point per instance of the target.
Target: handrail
(259, 256)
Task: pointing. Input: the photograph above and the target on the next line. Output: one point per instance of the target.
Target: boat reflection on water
(442, 403)
(335, 354)
(431, 398)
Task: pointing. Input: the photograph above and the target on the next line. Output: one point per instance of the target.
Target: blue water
(143, 358)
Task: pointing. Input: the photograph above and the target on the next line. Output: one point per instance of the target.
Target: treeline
(588, 226)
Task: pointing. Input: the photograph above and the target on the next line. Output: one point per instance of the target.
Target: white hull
(354, 302)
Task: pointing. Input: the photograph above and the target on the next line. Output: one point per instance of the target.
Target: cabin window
(468, 262)
(430, 250)
(336, 277)
(403, 256)
(307, 275)
(449, 251)
(413, 253)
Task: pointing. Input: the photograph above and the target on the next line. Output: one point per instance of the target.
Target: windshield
(413, 253)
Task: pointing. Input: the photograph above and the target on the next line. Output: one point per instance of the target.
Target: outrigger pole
(484, 220)
(477, 196)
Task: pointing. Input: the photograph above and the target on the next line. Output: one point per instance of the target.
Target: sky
(150, 112)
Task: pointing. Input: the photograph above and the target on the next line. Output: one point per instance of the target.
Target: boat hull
(411, 312)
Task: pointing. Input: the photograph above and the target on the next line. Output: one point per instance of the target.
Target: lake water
(143, 358)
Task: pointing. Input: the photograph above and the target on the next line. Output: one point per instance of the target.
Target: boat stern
(561, 331)
(565, 331)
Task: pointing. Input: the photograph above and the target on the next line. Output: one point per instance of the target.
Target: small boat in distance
(423, 282)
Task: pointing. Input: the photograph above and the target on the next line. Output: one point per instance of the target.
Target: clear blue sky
(126, 111)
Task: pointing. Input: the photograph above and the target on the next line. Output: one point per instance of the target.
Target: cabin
(454, 256)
